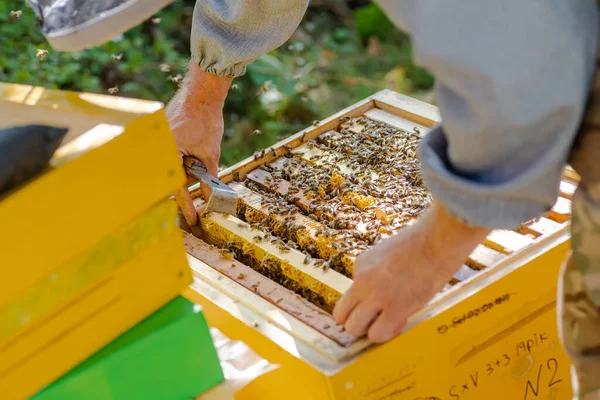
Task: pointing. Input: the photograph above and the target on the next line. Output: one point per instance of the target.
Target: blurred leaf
(372, 21)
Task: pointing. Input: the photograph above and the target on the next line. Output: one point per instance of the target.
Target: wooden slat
(506, 241)
(541, 227)
(483, 257)
(561, 212)
(327, 242)
(407, 107)
(326, 286)
(463, 274)
(282, 187)
(395, 121)
(276, 294)
(571, 175)
(567, 189)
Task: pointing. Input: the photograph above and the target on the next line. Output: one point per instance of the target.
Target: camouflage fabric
(579, 289)
(580, 294)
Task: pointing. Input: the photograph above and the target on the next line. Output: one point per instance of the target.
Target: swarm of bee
(361, 183)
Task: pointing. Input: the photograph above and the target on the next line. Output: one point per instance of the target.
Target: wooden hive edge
(463, 290)
(269, 290)
(283, 321)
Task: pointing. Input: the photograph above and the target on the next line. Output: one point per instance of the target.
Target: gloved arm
(512, 83)
(227, 35)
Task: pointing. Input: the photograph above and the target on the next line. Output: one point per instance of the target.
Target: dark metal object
(223, 198)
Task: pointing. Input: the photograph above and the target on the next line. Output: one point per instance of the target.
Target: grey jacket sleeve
(513, 78)
(227, 35)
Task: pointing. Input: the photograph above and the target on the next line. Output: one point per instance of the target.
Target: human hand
(397, 277)
(195, 115)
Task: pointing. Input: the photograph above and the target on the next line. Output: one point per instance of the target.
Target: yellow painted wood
(90, 246)
(70, 208)
(506, 241)
(77, 111)
(83, 274)
(494, 342)
(491, 345)
(88, 322)
(484, 257)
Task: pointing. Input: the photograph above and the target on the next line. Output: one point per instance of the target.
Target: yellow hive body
(90, 246)
(492, 335)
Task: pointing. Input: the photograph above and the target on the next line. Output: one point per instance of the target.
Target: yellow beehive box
(494, 339)
(492, 335)
(118, 160)
(89, 247)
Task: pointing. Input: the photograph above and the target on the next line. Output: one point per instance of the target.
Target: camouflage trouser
(579, 291)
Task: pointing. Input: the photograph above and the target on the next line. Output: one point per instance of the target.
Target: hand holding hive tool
(223, 198)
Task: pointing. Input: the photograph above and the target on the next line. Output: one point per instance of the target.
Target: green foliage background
(331, 62)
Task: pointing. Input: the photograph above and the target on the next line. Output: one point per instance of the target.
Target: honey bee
(265, 87)
(41, 53)
(175, 79)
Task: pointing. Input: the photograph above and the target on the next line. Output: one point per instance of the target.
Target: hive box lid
(117, 160)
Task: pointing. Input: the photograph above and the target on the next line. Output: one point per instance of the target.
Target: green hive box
(168, 356)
